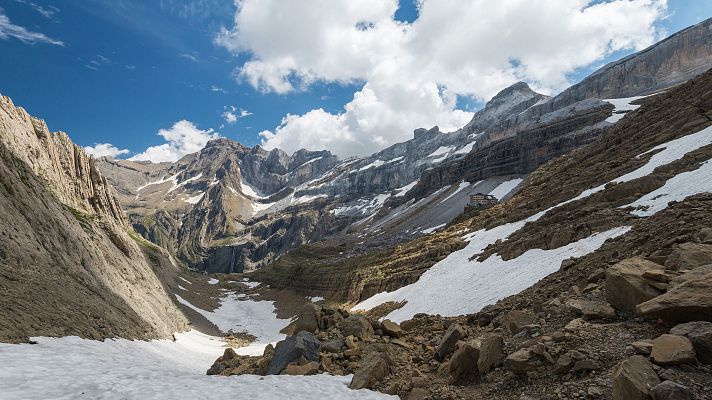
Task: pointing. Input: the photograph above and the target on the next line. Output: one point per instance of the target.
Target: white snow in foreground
(460, 187)
(70, 367)
(676, 188)
(457, 286)
(315, 299)
(245, 315)
(213, 281)
(250, 284)
(185, 280)
(505, 188)
(622, 104)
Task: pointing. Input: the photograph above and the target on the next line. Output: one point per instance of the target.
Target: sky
(155, 80)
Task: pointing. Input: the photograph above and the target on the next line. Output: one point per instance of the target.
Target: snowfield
(70, 367)
(457, 286)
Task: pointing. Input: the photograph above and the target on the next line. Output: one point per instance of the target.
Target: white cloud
(232, 114)
(413, 73)
(218, 89)
(182, 138)
(105, 150)
(10, 30)
(188, 57)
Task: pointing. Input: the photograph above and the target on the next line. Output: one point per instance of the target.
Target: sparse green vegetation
(85, 220)
(143, 241)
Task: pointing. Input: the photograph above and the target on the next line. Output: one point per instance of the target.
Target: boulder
(522, 361)
(625, 285)
(357, 326)
(374, 367)
(221, 363)
(591, 309)
(488, 314)
(672, 350)
(449, 341)
(310, 368)
(564, 364)
(463, 364)
(290, 350)
(391, 328)
(643, 347)
(689, 256)
(491, 352)
(670, 390)
(700, 334)
(690, 301)
(634, 379)
(685, 276)
(585, 365)
(308, 318)
(516, 320)
(333, 346)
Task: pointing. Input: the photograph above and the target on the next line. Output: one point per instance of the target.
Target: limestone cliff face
(70, 173)
(674, 60)
(68, 265)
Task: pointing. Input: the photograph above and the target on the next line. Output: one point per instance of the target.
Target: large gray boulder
(374, 367)
(690, 301)
(634, 379)
(449, 341)
(463, 364)
(290, 350)
(308, 318)
(625, 285)
(700, 334)
(357, 326)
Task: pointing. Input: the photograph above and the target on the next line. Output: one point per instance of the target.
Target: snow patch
(457, 286)
(213, 281)
(71, 367)
(185, 182)
(622, 104)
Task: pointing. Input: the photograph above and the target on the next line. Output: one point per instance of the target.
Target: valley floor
(71, 367)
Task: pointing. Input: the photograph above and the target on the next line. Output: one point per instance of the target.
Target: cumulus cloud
(105, 150)
(232, 114)
(10, 30)
(181, 139)
(413, 73)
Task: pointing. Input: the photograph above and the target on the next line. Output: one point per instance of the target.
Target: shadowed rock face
(68, 265)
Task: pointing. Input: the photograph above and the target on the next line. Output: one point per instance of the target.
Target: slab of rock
(463, 364)
(449, 341)
(690, 301)
(516, 320)
(522, 361)
(310, 368)
(585, 365)
(689, 256)
(670, 390)
(564, 364)
(333, 346)
(374, 368)
(391, 328)
(634, 379)
(700, 334)
(290, 350)
(643, 347)
(625, 285)
(488, 314)
(672, 350)
(491, 352)
(308, 318)
(358, 326)
(591, 309)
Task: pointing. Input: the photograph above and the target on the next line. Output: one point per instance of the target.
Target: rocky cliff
(68, 262)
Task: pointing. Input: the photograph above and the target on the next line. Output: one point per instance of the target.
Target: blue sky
(126, 69)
